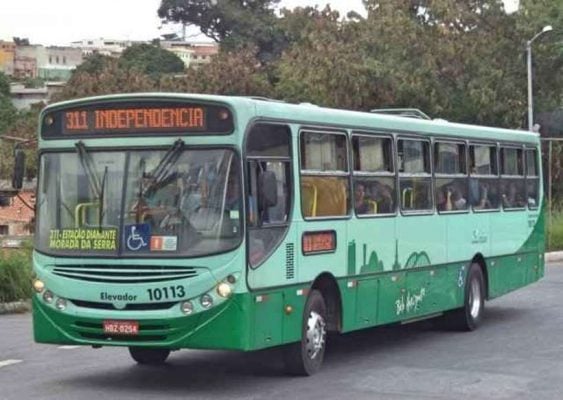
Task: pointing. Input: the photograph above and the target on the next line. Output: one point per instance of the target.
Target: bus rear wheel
(306, 357)
(469, 317)
(146, 356)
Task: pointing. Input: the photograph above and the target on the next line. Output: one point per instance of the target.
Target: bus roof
(312, 115)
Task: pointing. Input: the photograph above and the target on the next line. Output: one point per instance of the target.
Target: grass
(15, 275)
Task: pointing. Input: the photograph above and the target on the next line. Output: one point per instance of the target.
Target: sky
(59, 22)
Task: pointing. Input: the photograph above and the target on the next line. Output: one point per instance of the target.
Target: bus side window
(415, 179)
(532, 178)
(512, 182)
(374, 175)
(324, 174)
(267, 151)
(483, 177)
(451, 176)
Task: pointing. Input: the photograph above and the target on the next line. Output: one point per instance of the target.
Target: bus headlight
(187, 307)
(48, 296)
(38, 285)
(60, 304)
(206, 301)
(224, 289)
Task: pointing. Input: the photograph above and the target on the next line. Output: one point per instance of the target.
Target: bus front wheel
(149, 356)
(469, 316)
(306, 357)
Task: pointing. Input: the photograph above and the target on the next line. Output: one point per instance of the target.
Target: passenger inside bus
(384, 197)
(450, 198)
(361, 204)
(510, 197)
(373, 197)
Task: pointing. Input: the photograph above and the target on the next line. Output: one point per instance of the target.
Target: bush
(554, 231)
(15, 275)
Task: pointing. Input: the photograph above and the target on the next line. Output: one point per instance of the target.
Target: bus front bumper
(225, 326)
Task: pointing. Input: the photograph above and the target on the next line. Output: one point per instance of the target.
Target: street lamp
(545, 29)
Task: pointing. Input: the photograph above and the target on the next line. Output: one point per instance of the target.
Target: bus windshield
(146, 203)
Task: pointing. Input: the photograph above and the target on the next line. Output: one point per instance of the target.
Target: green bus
(171, 221)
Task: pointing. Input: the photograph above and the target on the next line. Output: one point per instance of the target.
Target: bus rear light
(206, 301)
(60, 304)
(48, 296)
(38, 285)
(187, 307)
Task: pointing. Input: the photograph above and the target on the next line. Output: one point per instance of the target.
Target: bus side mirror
(19, 169)
(267, 189)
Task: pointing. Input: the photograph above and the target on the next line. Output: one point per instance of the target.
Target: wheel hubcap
(475, 299)
(316, 333)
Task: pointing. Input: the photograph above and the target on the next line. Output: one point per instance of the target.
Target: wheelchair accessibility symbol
(138, 237)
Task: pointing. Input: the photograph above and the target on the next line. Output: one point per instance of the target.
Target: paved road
(516, 354)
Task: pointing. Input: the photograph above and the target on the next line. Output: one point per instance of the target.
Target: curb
(15, 307)
(554, 256)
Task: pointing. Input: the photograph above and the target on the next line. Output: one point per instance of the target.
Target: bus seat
(81, 213)
(309, 197)
(332, 195)
(407, 198)
(342, 198)
(372, 206)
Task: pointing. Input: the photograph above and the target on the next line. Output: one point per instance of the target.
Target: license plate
(121, 327)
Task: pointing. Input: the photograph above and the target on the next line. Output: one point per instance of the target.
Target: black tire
(146, 356)
(304, 358)
(468, 317)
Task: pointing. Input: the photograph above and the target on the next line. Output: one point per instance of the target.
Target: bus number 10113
(170, 292)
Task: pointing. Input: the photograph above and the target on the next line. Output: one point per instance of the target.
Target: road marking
(5, 363)
(69, 347)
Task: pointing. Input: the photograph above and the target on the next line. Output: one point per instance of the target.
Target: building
(106, 47)
(25, 67)
(204, 52)
(192, 54)
(59, 62)
(23, 98)
(17, 219)
(48, 63)
(7, 57)
(26, 60)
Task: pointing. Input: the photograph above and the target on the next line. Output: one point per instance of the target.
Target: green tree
(93, 64)
(233, 23)
(229, 73)
(8, 113)
(547, 51)
(23, 125)
(151, 60)
(325, 66)
(109, 79)
(4, 85)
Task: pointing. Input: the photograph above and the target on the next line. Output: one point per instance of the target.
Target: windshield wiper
(160, 173)
(101, 210)
(86, 162)
(140, 193)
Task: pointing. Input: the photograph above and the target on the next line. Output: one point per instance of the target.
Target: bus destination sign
(192, 118)
(137, 118)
